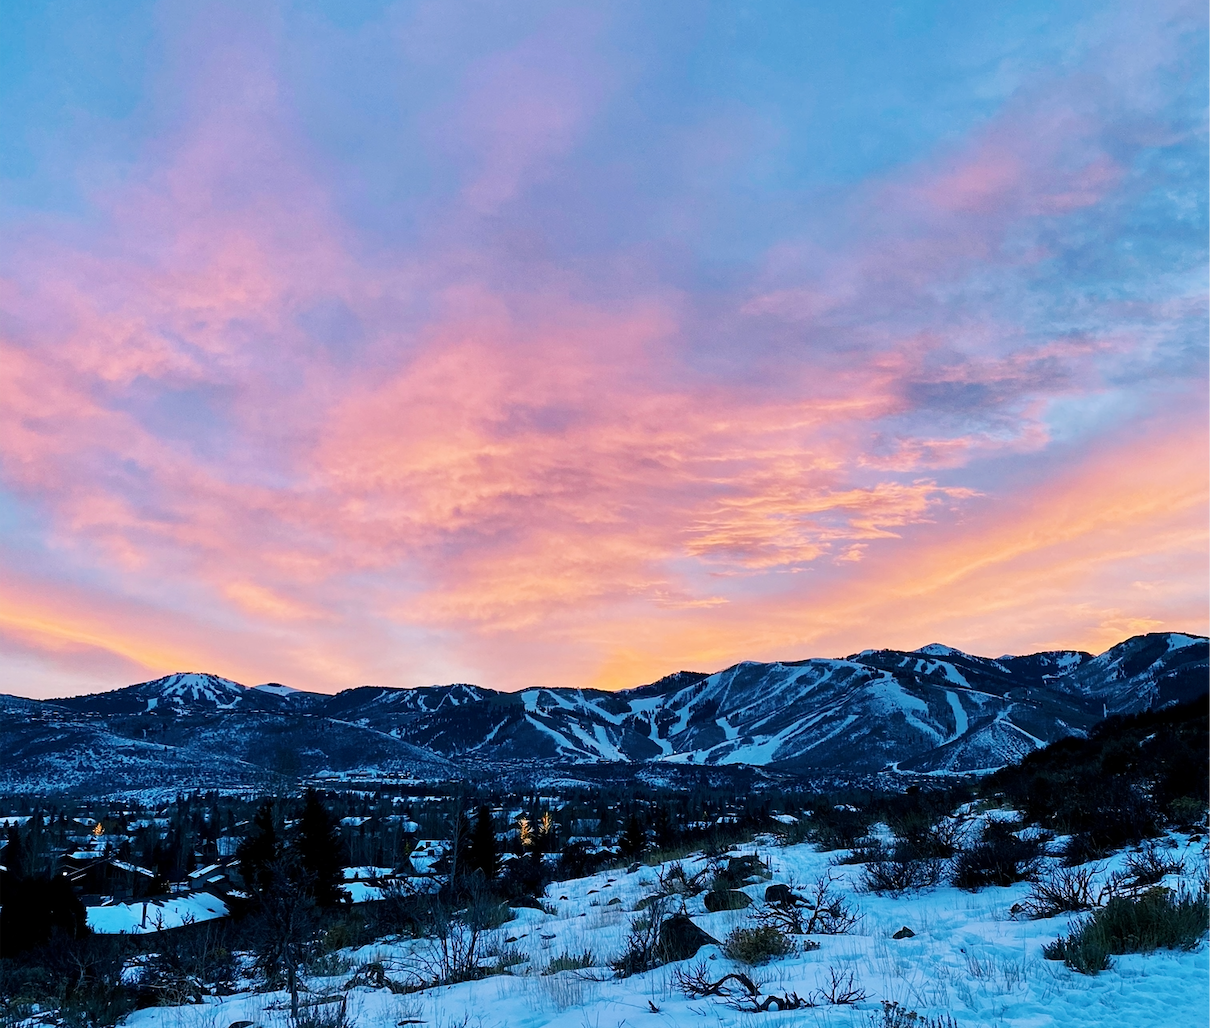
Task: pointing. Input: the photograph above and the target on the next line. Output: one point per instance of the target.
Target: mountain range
(935, 709)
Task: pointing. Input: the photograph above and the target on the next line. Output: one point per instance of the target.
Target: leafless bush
(675, 880)
(999, 857)
(374, 976)
(453, 954)
(821, 912)
(866, 850)
(695, 981)
(1142, 871)
(642, 942)
(744, 994)
(1064, 890)
(1149, 867)
(896, 877)
(830, 914)
(927, 834)
(841, 990)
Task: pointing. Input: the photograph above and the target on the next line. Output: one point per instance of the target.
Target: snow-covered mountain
(193, 731)
(935, 708)
(186, 690)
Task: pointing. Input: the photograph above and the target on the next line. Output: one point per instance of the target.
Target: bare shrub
(865, 851)
(696, 981)
(675, 880)
(642, 941)
(1150, 866)
(744, 993)
(896, 877)
(841, 990)
(998, 858)
(738, 989)
(453, 954)
(926, 834)
(821, 912)
(374, 976)
(1064, 890)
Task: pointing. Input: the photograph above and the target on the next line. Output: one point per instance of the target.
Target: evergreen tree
(663, 828)
(320, 851)
(460, 845)
(35, 909)
(483, 854)
(260, 852)
(14, 854)
(633, 840)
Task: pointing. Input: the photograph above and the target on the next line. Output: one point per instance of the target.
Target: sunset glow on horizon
(404, 343)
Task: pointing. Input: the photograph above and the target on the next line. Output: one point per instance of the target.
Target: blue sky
(573, 344)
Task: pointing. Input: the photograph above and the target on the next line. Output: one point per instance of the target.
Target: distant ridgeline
(935, 709)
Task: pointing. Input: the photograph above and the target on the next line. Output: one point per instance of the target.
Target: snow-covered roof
(149, 916)
(352, 874)
(125, 865)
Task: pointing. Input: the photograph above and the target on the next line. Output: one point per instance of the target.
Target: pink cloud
(529, 482)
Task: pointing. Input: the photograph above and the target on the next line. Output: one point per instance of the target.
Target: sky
(530, 343)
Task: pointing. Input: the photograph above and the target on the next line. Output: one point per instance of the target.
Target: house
(96, 875)
(215, 879)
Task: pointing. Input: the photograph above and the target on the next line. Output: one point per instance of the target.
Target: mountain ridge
(933, 709)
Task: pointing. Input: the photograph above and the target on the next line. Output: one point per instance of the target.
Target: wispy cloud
(965, 401)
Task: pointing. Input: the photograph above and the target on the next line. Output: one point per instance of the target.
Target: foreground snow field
(969, 958)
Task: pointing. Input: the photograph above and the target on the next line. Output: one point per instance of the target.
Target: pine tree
(260, 851)
(320, 851)
(460, 844)
(633, 840)
(663, 828)
(483, 853)
(14, 854)
(34, 909)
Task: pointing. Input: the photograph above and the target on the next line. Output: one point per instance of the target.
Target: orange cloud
(505, 470)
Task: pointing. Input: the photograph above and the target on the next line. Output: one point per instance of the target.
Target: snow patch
(156, 915)
(960, 720)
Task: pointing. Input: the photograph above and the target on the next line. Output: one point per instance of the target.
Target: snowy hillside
(966, 955)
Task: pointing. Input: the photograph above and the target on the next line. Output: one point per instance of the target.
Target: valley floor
(969, 959)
